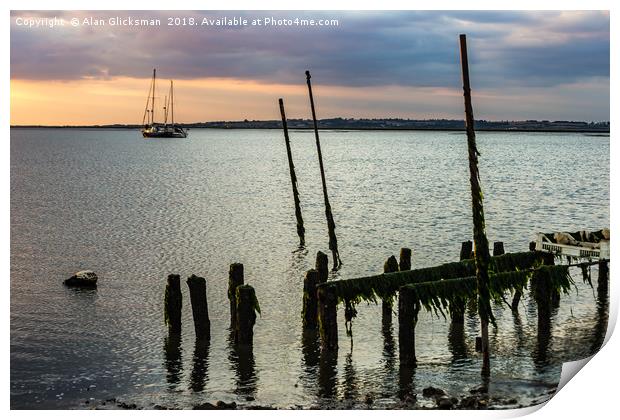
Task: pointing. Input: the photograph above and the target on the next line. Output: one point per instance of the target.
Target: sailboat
(150, 127)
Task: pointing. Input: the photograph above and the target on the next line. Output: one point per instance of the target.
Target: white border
(592, 395)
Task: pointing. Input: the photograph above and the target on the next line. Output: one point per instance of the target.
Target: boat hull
(164, 135)
(176, 133)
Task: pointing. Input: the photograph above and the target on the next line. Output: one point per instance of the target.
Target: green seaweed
(439, 296)
(385, 286)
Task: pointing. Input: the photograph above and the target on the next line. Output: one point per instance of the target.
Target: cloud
(366, 48)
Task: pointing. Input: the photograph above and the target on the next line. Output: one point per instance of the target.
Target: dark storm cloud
(366, 49)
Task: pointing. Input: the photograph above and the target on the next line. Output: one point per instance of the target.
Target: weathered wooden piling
(390, 266)
(407, 319)
(235, 279)
(533, 246)
(602, 287)
(200, 309)
(310, 300)
(300, 221)
(481, 242)
(457, 310)
(328, 324)
(322, 266)
(247, 306)
(331, 225)
(467, 250)
(404, 263)
(173, 303)
(498, 248)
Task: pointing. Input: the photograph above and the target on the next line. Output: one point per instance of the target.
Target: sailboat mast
(153, 101)
(172, 101)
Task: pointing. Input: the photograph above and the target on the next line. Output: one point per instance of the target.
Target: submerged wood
(200, 309)
(322, 266)
(310, 300)
(300, 221)
(390, 266)
(235, 279)
(407, 320)
(173, 303)
(328, 324)
(247, 306)
(404, 263)
(481, 243)
(331, 225)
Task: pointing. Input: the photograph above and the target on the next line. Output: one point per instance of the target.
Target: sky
(523, 65)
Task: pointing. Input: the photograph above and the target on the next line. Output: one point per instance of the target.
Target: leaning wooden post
(300, 221)
(247, 306)
(498, 248)
(404, 263)
(481, 243)
(407, 320)
(466, 250)
(390, 266)
(328, 325)
(235, 279)
(173, 303)
(310, 300)
(331, 225)
(322, 266)
(200, 309)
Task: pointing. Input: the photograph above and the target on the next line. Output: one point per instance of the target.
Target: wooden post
(173, 303)
(498, 248)
(533, 246)
(322, 266)
(300, 221)
(331, 225)
(405, 259)
(407, 316)
(481, 243)
(390, 266)
(200, 309)
(466, 250)
(246, 314)
(310, 301)
(235, 279)
(457, 309)
(602, 287)
(328, 324)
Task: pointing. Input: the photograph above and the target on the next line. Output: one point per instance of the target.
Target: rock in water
(84, 278)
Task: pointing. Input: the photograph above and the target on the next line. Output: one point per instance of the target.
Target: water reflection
(311, 351)
(241, 358)
(351, 391)
(389, 348)
(328, 372)
(173, 360)
(200, 369)
(602, 317)
(406, 385)
(456, 341)
(543, 339)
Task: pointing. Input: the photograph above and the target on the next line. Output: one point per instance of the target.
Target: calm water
(134, 211)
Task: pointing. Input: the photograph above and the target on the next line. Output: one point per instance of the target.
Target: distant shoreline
(501, 130)
(382, 124)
